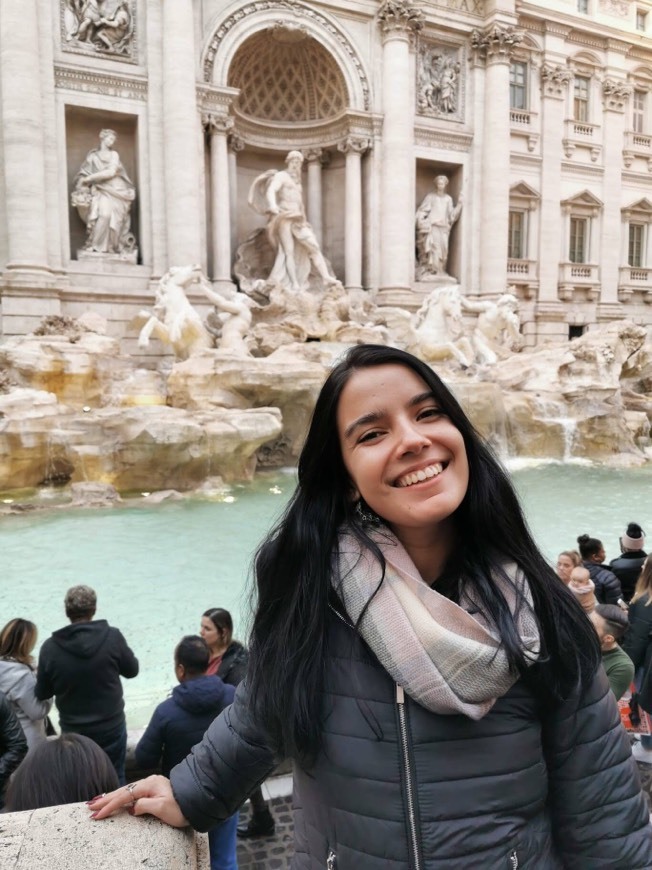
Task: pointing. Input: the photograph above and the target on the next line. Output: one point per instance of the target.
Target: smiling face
(403, 455)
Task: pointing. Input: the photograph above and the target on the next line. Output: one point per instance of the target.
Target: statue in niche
(434, 219)
(107, 25)
(278, 194)
(438, 82)
(174, 321)
(103, 195)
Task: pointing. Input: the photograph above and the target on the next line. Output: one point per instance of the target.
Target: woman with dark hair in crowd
(18, 678)
(627, 566)
(412, 651)
(566, 561)
(13, 745)
(229, 660)
(607, 585)
(64, 770)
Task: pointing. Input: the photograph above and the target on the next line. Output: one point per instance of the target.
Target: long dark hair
(66, 770)
(294, 569)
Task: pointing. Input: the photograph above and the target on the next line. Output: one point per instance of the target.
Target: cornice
(577, 170)
(433, 137)
(76, 78)
(308, 134)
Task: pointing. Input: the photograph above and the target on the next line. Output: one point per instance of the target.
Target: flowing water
(156, 569)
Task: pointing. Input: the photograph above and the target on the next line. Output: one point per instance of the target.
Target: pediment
(584, 199)
(642, 208)
(522, 190)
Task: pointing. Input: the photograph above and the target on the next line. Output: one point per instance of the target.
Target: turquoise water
(156, 569)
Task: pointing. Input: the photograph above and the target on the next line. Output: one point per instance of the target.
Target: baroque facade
(539, 114)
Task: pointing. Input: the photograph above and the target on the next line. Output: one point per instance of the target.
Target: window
(518, 86)
(579, 237)
(639, 100)
(636, 243)
(583, 6)
(581, 99)
(575, 330)
(516, 240)
(641, 20)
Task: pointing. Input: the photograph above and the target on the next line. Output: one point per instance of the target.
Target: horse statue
(438, 328)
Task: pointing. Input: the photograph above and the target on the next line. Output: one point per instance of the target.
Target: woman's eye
(369, 436)
(430, 412)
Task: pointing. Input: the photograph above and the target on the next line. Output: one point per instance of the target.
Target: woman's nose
(411, 439)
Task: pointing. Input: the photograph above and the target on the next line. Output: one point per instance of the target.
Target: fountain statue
(103, 195)
(434, 220)
(286, 252)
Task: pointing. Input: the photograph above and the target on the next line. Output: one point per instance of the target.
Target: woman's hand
(151, 796)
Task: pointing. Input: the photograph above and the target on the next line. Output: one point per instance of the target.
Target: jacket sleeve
(600, 817)
(23, 695)
(611, 586)
(13, 745)
(128, 661)
(221, 772)
(150, 746)
(43, 688)
(638, 634)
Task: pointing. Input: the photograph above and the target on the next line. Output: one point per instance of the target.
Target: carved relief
(554, 80)
(401, 15)
(356, 144)
(496, 42)
(615, 7)
(475, 7)
(99, 27)
(97, 83)
(439, 81)
(615, 94)
(287, 8)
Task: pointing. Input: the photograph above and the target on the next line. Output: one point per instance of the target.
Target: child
(583, 588)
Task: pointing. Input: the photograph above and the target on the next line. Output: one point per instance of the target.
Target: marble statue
(438, 82)
(107, 25)
(497, 331)
(230, 323)
(103, 195)
(278, 194)
(174, 321)
(434, 219)
(438, 328)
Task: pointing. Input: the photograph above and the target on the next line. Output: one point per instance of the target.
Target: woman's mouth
(422, 474)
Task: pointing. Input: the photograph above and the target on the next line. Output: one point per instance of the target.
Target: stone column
(236, 144)
(219, 126)
(616, 94)
(23, 142)
(495, 44)
(554, 85)
(353, 147)
(180, 123)
(314, 199)
(399, 23)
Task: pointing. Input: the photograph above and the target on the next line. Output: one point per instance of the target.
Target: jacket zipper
(513, 858)
(407, 768)
(331, 860)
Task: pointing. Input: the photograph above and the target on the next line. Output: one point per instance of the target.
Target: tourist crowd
(80, 668)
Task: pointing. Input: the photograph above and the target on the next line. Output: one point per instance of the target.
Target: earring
(365, 515)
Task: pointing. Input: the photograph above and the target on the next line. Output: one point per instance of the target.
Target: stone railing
(579, 274)
(522, 268)
(521, 116)
(66, 838)
(583, 135)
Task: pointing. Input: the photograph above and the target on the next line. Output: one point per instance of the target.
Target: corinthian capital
(497, 42)
(355, 144)
(554, 79)
(615, 94)
(400, 15)
(216, 123)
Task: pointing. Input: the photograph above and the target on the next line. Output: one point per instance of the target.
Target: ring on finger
(130, 788)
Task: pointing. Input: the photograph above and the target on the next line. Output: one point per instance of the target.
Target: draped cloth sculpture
(103, 195)
(434, 219)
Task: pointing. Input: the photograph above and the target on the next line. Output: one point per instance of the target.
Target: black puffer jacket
(627, 567)
(233, 667)
(638, 640)
(525, 786)
(13, 744)
(607, 585)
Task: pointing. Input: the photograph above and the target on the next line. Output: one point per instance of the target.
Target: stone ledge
(65, 838)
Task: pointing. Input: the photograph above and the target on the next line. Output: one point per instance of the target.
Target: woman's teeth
(421, 475)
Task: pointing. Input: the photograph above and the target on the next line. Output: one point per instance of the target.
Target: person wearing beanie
(81, 664)
(628, 565)
(611, 623)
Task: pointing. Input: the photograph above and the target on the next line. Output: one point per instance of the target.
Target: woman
(229, 661)
(607, 585)
(18, 678)
(638, 640)
(66, 770)
(566, 561)
(228, 657)
(436, 686)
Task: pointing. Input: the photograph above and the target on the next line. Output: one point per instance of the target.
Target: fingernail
(94, 815)
(94, 798)
(131, 811)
